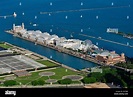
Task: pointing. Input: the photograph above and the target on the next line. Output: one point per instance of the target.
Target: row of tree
(109, 75)
(127, 65)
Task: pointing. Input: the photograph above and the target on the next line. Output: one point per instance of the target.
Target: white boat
(97, 17)
(127, 43)
(96, 43)
(66, 17)
(49, 14)
(127, 17)
(35, 17)
(34, 24)
(14, 14)
(51, 3)
(71, 35)
(81, 3)
(99, 37)
(51, 56)
(4, 17)
(51, 30)
(112, 30)
(112, 3)
(81, 30)
(20, 3)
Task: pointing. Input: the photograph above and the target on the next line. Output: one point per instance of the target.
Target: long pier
(63, 50)
(106, 40)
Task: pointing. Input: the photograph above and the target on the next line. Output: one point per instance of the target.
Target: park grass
(6, 46)
(59, 73)
(47, 63)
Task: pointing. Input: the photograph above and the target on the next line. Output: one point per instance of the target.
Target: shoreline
(43, 57)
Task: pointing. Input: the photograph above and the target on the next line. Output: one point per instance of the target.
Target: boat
(81, 3)
(20, 3)
(49, 14)
(14, 14)
(71, 35)
(112, 3)
(112, 30)
(4, 17)
(96, 43)
(81, 30)
(97, 17)
(99, 37)
(51, 56)
(34, 24)
(23, 13)
(127, 43)
(51, 30)
(66, 17)
(51, 3)
(35, 17)
(127, 17)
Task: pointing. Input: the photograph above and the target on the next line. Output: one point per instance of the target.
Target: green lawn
(5, 46)
(59, 73)
(47, 63)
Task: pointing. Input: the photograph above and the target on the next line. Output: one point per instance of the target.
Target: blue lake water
(94, 22)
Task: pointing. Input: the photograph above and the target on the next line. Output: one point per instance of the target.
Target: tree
(65, 81)
(41, 82)
(103, 80)
(87, 80)
(37, 82)
(123, 83)
(10, 83)
(109, 77)
(97, 75)
(34, 83)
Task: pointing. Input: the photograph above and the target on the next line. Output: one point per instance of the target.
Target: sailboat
(51, 3)
(35, 17)
(96, 43)
(51, 56)
(66, 17)
(71, 35)
(23, 13)
(127, 17)
(127, 43)
(20, 3)
(81, 3)
(112, 3)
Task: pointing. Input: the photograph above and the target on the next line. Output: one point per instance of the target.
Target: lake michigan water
(94, 21)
